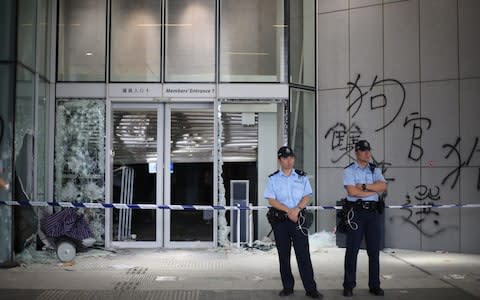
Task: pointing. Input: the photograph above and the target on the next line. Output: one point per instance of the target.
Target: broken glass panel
(80, 156)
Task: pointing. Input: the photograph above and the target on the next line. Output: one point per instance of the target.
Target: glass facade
(44, 37)
(7, 85)
(81, 40)
(7, 82)
(171, 41)
(302, 132)
(252, 41)
(7, 30)
(190, 41)
(26, 32)
(41, 143)
(135, 41)
(24, 133)
(191, 178)
(134, 172)
(302, 42)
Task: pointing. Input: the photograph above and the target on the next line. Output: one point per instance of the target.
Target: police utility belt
(364, 205)
(276, 216)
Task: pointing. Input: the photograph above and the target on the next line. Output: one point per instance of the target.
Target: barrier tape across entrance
(202, 207)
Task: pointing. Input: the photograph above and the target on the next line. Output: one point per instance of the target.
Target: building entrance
(164, 154)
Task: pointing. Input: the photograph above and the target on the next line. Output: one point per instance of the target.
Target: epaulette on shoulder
(349, 165)
(300, 172)
(372, 166)
(274, 173)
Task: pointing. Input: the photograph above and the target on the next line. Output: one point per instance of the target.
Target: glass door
(162, 155)
(137, 137)
(189, 178)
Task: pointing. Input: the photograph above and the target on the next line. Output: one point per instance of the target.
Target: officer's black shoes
(285, 292)
(377, 291)
(314, 294)
(347, 292)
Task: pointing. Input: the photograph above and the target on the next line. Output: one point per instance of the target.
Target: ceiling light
(168, 25)
(246, 53)
(149, 25)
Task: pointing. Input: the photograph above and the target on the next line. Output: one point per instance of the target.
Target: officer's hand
(293, 214)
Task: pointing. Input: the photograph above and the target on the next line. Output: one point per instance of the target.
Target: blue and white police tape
(204, 207)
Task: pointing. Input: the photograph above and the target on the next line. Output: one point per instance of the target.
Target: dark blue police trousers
(368, 222)
(286, 233)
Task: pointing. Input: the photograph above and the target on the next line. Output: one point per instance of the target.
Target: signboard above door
(172, 91)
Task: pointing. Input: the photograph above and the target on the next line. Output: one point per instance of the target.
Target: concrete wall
(404, 75)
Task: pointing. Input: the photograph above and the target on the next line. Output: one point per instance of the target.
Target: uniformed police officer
(288, 191)
(363, 182)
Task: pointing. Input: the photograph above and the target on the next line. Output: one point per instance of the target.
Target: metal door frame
(163, 174)
(160, 108)
(166, 176)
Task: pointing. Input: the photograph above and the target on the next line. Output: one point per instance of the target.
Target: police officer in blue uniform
(288, 191)
(363, 182)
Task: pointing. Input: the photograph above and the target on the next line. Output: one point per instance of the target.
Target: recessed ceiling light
(246, 53)
(149, 25)
(88, 53)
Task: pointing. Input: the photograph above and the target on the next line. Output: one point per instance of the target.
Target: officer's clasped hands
(293, 214)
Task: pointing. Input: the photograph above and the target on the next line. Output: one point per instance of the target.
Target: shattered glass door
(135, 158)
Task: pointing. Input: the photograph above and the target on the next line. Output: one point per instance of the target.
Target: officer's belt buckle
(368, 205)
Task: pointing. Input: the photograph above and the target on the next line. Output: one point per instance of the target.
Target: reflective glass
(190, 40)
(191, 174)
(26, 32)
(302, 42)
(302, 131)
(7, 90)
(135, 41)
(134, 173)
(24, 134)
(7, 86)
(252, 41)
(44, 37)
(81, 40)
(7, 30)
(41, 140)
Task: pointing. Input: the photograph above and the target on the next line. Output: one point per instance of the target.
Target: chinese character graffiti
(383, 165)
(377, 100)
(427, 216)
(454, 149)
(343, 139)
(416, 151)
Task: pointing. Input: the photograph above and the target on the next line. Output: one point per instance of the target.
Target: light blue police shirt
(354, 174)
(288, 190)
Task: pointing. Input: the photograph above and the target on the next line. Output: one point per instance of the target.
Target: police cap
(285, 151)
(362, 145)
